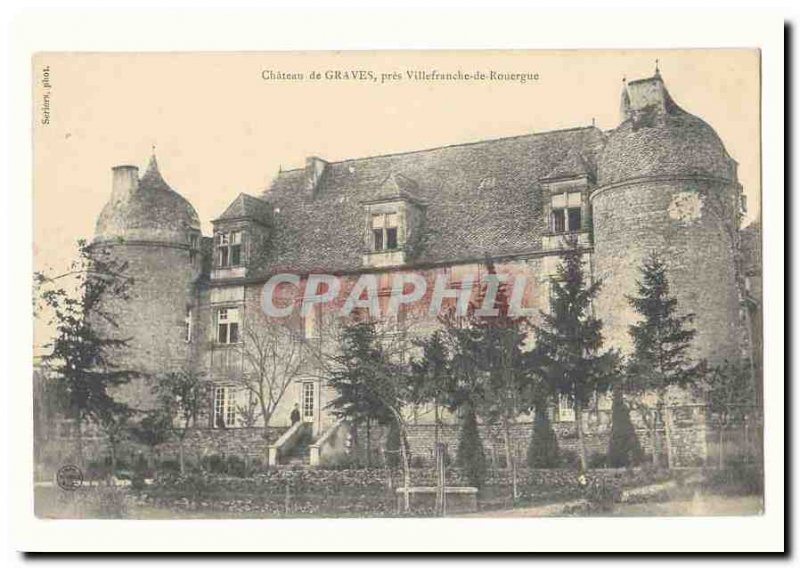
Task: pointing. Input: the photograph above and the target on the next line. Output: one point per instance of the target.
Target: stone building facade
(660, 181)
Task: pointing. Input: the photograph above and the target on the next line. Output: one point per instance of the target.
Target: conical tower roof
(150, 210)
(656, 137)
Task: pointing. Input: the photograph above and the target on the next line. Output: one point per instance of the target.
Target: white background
(40, 26)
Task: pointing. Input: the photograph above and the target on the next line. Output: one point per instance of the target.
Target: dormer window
(384, 232)
(229, 249)
(565, 212)
(392, 223)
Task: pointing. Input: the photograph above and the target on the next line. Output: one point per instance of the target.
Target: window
(565, 212)
(308, 402)
(574, 218)
(224, 407)
(228, 325)
(566, 413)
(229, 249)
(391, 238)
(384, 232)
(187, 326)
(377, 239)
(194, 240)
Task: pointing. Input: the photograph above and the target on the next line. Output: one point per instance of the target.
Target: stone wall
(225, 441)
(60, 447)
(689, 438)
(691, 223)
(152, 318)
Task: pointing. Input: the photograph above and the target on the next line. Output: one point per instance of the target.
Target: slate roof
(247, 207)
(153, 212)
(396, 186)
(480, 198)
(573, 164)
(662, 140)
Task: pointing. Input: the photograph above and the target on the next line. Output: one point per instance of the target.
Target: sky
(220, 129)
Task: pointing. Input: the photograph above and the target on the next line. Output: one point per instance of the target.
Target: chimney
(125, 181)
(315, 171)
(646, 93)
(645, 99)
(624, 103)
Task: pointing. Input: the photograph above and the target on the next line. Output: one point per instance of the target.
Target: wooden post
(441, 496)
(668, 437)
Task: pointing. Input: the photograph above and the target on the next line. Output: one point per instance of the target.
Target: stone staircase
(298, 455)
(297, 447)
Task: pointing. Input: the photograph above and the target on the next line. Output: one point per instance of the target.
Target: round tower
(667, 185)
(157, 232)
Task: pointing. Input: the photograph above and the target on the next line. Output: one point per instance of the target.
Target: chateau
(661, 181)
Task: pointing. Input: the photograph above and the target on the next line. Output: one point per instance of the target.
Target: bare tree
(273, 357)
(181, 395)
(730, 397)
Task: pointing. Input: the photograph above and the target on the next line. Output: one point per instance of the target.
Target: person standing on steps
(295, 415)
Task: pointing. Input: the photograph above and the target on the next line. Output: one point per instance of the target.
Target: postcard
(507, 284)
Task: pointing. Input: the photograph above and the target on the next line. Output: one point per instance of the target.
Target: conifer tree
(392, 446)
(498, 355)
(661, 358)
(624, 449)
(471, 457)
(370, 386)
(84, 356)
(353, 375)
(569, 341)
(543, 449)
(431, 377)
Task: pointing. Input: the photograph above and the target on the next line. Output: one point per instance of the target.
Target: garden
(475, 367)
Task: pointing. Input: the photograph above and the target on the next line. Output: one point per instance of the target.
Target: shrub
(598, 461)
(393, 446)
(471, 457)
(214, 463)
(736, 480)
(394, 457)
(138, 481)
(97, 469)
(346, 461)
(624, 449)
(602, 493)
(168, 467)
(569, 459)
(543, 448)
(418, 462)
(235, 466)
